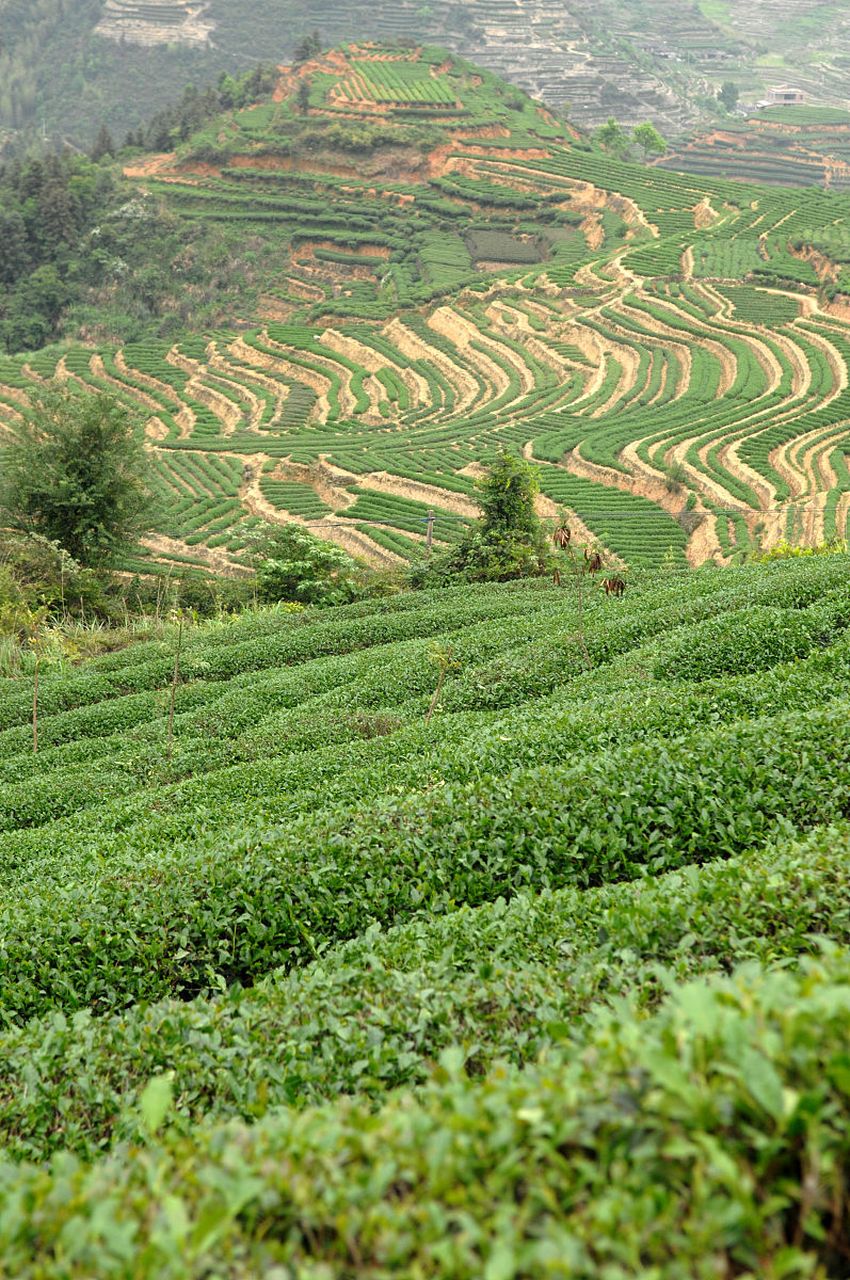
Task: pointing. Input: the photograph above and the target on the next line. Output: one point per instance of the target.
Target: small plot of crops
(500, 246)
(756, 306)
(298, 499)
(726, 259)
(401, 83)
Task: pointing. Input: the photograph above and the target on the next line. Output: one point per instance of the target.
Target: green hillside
(67, 68)
(340, 990)
(800, 146)
(408, 265)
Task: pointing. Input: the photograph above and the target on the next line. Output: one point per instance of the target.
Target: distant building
(785, 97)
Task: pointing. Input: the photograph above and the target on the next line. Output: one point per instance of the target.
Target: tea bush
(319, 949)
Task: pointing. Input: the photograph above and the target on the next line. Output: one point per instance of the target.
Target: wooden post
(429, 533)
(174, 680)
(35, 708)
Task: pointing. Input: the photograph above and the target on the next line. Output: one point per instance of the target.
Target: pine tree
(103, 144)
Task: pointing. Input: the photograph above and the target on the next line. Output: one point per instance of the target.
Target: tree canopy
(293, 564)
(508, 540)
(649, 140)
(76, 474)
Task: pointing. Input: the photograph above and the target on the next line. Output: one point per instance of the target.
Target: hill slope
(444, 907)
(73, 67)
(434, 267)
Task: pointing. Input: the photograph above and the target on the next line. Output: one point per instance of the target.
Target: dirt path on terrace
(329, 530)
(808, 303)
(166, 549)
(688, 263)
(374, 362)
(729, 457)
(228, 414)
(700, 482)
(621, 274)
(628, 358)
(511, 357)
(549, 510)
(795, 460)
(842, 514)
(662, 386)
(667, 338)
(97, 367)
(304, 290)
(182, 414)
(294, 373)
(648, 482)
(413, 347)
(509, 318)
(590, 344)
(327, 482)
(804, 463)
(145, 380)
(398, 486)
(462, 334)
(801, 373)
(222, 372)
(836, 362)
(445, 160)
(725, 358)
(702, 544)
(587, 278)
(280, 394)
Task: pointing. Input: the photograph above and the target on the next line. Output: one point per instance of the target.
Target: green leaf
(501, 1264)
(156, 1100)
(763, 1082)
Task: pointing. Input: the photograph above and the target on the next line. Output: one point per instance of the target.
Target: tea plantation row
(333, 988)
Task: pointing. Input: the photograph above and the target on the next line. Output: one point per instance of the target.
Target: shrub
(681, 1145)
(750, 640)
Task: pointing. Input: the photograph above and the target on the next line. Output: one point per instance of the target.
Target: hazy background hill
(67, 66)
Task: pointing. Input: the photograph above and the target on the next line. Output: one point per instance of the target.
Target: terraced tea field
(331, 988)
(480, 277)
(789, 146)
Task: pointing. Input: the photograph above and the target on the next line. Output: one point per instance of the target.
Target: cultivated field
(326, 988)
(673, 350)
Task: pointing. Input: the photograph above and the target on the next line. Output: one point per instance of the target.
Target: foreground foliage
(369, 963)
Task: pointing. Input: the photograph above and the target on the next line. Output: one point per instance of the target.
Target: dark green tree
(307, 48)
(14, 248)
(76, 474)
(103, 144)
(612, 137)
(293, 564)
(729, 95)
(302, 96)
(508, 540)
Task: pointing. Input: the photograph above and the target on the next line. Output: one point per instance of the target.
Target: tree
(508, 540)
(293, 564)
(649, 140)
(729, 95)
(307, 48)
(75, 473)
(103, 144)
(302, 97)
(612, 137)
(506, 497)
